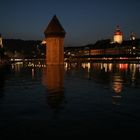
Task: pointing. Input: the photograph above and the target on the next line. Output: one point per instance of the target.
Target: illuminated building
(1, 45)
(132, 36)
(118, 37)
(54, 35)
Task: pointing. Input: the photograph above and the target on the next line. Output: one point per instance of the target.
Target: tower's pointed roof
(54, 28)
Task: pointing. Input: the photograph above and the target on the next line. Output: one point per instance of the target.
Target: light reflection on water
(75, 99)
(53, 80)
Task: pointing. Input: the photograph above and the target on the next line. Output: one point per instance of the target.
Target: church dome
(118, 36)
(118, 31)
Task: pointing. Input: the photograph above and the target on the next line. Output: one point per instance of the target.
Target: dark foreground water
(75, 100)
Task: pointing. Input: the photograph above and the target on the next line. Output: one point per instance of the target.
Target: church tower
(118, 37)
(132, 36)
(54, 37)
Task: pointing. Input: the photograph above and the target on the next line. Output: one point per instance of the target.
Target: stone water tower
(54, 37)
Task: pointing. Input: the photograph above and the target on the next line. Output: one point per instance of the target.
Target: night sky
(85, 21)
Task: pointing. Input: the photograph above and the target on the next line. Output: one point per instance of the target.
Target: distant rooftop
(54, 28)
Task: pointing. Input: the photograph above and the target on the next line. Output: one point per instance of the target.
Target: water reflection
(4, 70)
(17, 66)
(117, 76)
(53, 80)
(2, 82)
(133, 73)
(113, 76)
(117, 89)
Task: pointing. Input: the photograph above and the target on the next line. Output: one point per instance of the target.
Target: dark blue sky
(85, 21)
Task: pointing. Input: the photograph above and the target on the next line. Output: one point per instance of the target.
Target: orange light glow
(123, 66)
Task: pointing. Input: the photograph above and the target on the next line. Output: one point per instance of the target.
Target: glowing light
(43, 42)
(123, 66)
(110, 67)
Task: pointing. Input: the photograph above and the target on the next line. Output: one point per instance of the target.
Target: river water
(79, 99)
